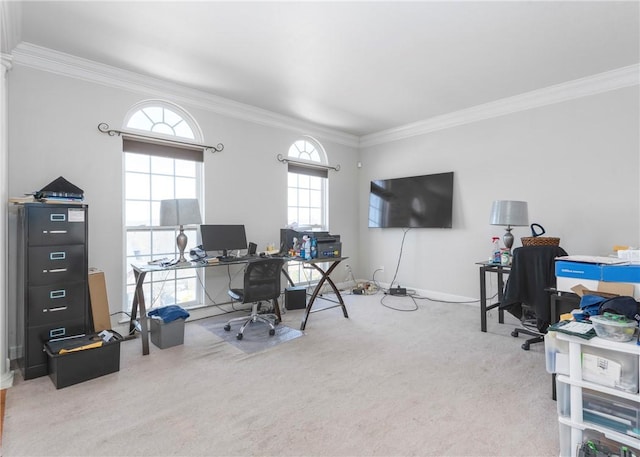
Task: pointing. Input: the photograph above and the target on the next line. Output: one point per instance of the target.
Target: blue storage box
(580, 270)
(621, 273)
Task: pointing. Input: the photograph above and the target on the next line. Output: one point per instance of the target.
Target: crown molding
(583, 87)
(40, 58)
(45, 59)
(10, 24)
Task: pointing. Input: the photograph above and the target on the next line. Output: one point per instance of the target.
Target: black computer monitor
(216, 238)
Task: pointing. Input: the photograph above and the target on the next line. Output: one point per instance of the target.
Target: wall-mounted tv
(417, 201)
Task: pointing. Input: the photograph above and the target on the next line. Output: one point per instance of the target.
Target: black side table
(500, 270)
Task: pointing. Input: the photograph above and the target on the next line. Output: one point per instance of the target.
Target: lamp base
(181, 241)
(507, 238)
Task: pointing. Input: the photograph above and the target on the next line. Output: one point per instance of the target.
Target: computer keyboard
(236, 259)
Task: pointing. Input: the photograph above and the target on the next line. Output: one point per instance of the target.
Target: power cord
(399, 257)
(415, 304)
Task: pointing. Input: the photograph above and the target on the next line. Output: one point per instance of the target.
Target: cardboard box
(99, 301)
(621, 273)
(81, 365)
(579, 270)
(598, 278)
(605, 289)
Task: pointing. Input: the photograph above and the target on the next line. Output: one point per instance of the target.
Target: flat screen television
(416, 201)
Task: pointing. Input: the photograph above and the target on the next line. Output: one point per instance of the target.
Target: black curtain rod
(104, 128)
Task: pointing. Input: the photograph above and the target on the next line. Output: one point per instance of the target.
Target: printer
(327, 245)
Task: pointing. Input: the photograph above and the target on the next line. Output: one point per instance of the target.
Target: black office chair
(261, 283)
(526, 293)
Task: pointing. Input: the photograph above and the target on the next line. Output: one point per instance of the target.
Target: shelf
(570, 417)
(630, 347)
(615, 436)
(599, 388)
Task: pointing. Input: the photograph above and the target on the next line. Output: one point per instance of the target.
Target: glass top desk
(324, 266)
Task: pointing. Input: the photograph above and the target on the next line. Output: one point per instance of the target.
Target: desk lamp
(180, 212)
(509, 213)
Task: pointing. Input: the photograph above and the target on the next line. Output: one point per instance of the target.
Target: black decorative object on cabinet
(52, 279)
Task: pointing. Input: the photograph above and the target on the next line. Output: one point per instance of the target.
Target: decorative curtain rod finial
(104, 128)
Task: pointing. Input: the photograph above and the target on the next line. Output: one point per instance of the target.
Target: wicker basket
(540, 241)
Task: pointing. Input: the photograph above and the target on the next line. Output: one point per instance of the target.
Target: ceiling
(356, 67)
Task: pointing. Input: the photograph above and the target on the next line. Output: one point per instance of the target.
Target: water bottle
(307, 249)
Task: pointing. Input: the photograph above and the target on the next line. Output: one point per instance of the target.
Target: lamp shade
(180, 211)
(510, 213)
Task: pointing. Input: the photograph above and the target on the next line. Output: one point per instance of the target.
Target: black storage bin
(77, 366)
(295, 297)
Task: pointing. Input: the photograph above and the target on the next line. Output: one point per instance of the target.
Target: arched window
(160, 117)
(307, 196)
(154, 172)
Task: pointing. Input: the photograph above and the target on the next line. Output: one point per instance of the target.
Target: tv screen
(417, 201)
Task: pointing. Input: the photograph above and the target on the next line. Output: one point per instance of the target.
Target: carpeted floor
(381, 383)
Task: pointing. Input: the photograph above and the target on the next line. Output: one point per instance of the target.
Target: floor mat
(256, 335)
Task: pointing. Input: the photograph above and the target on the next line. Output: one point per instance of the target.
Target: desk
(138, 302)
(140, 272)
(316, 264)
(559, 297)
(499, 270)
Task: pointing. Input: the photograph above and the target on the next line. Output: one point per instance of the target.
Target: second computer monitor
(223, 238)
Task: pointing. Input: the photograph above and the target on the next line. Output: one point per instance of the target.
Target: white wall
(53, 132)
(576, 163)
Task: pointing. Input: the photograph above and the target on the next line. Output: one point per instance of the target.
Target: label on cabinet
(76, 215)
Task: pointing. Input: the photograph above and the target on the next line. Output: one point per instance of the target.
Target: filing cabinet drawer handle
(54, 232)
(57, 294)
(57, 332)
(59, 308)
(58, 217)
(55, 270)
(58, 255)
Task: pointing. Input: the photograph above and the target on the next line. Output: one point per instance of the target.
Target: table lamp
(509, 213)
(180, 212)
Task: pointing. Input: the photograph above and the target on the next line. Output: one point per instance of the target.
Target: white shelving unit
(570, 413)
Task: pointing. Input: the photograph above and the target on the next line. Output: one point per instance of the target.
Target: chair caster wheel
(239, 336)
(272, 331)
(514, 334)
(227, 327)
(525, 346)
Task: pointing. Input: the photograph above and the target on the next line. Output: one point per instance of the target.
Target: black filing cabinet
(52, 279)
